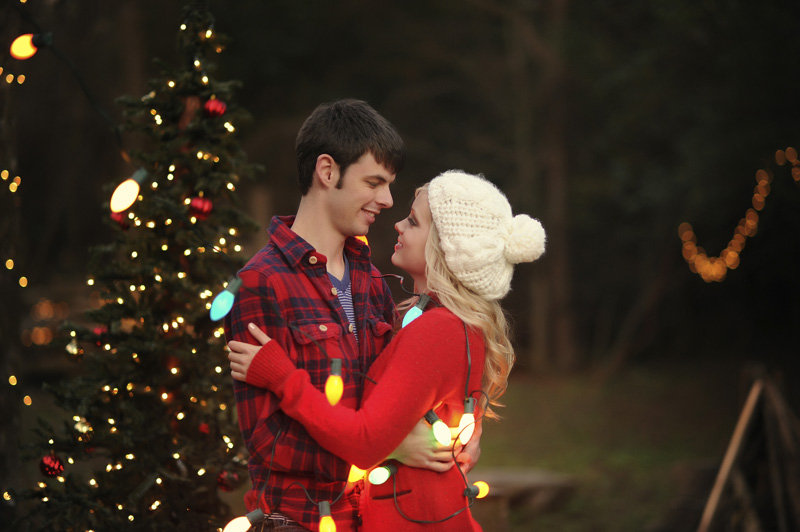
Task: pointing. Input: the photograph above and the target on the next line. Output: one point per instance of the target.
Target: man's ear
(326, 172)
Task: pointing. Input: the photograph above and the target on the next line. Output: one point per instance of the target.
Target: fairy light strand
(715, 268)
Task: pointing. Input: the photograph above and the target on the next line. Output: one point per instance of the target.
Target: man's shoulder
(267, 260)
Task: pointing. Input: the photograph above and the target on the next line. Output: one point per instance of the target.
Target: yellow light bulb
(334, 386)
(355, 474)
(483, 488)
(23, 47)
(326, 523)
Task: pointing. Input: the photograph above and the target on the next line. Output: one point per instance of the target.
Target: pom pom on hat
(480, 237)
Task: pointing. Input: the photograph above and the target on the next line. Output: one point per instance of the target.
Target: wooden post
(742, 426)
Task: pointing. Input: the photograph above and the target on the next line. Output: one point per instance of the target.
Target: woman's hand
(241, 354)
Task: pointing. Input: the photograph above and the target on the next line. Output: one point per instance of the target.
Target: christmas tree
(150, 436)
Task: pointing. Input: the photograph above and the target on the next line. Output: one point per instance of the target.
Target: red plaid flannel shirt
(286, 291)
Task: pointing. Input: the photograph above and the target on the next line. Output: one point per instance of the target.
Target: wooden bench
(517, 489)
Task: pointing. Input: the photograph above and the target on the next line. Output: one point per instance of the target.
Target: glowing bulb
(467, 424)
(326, 523)
(243, 523)
(334, 385)
(127, 191)
(478, 490)
(355, 474)
(440, 430)
(381, 474)
(412, 314)
(416, 311)
(25, 46)
(223, 303)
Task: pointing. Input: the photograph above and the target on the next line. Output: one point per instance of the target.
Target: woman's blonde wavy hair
(475, 311)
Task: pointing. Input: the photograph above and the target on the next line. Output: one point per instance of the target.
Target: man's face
(363, 194)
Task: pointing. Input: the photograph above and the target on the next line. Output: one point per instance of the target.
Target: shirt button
(351, 328)
(312, 259)
(323, 328)
(334, 291)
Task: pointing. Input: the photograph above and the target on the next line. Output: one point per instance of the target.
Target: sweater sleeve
(426, 362)
(270, 367)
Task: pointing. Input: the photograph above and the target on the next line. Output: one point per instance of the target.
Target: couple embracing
(314, 312)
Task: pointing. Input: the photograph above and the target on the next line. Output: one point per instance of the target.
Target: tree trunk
(551, 319)
(555, 164)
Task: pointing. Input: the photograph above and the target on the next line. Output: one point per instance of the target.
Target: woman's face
(412, 234)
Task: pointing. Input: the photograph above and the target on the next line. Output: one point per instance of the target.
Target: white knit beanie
(480, 238)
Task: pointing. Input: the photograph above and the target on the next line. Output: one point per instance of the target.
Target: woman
(459, 244)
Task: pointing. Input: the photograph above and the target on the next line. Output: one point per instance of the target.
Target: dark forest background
(611, 121)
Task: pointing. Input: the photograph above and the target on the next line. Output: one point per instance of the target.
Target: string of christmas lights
(715, 268)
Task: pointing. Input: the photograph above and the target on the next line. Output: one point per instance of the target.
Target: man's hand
(469, 455)
(420, 449)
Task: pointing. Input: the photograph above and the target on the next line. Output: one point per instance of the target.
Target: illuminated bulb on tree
(244, 522)
(467, 424)
(223, 303)
(326, 523)
(381, 474)
(127, 191)
(440, 430)
(334, 385)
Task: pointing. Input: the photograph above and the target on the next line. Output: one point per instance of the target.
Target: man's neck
(311, 225)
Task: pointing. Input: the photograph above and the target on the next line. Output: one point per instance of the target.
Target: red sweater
(423, 368)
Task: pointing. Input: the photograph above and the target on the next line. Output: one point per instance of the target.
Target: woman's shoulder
(437, 319)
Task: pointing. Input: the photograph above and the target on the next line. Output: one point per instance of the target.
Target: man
(313, 289)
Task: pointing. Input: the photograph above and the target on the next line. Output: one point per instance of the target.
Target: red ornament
(204, 428)
(121, 219)
(51, 465)
(100, 332)
(201, 207)
(215, 108)
(227, 480)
